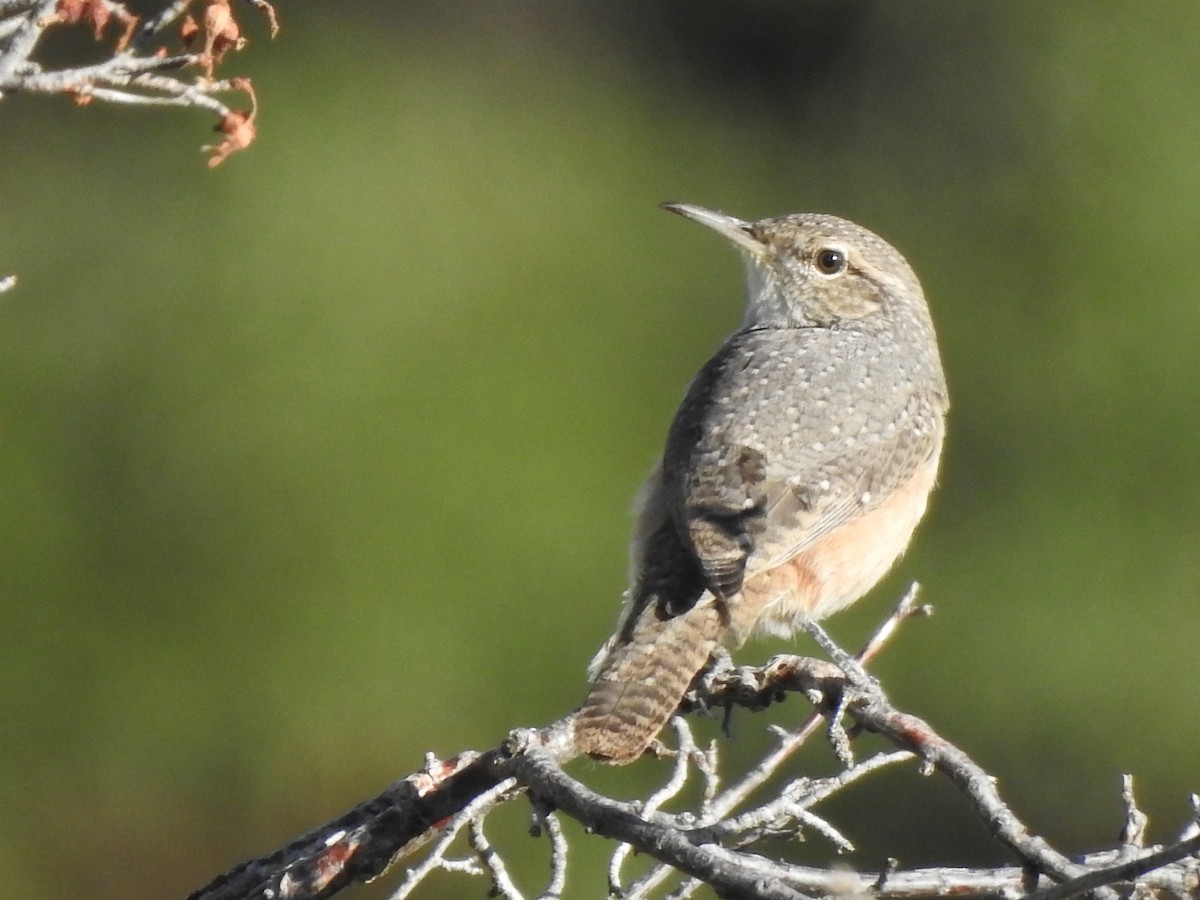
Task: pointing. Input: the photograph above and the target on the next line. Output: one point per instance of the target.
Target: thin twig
(558, 857)
(641, 887)
(11, 7)
(801, 795)
(434, 859)
(502, 883)
(734, 796)
(8, 26)
(685, 890)
(1133, 833)
(873, 712)
(790, 741)
(870, 708)
(1093, 879)
(727, 871)
(1193, 827)
(152, 26)
(23, 41)
(684, 754)
(111, 82)
(707, 766)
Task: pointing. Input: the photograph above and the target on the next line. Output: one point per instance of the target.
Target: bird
(794, 472)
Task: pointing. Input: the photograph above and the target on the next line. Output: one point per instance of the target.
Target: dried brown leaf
(189, 28)
(221, 34)
(92, 12)
(237, 126)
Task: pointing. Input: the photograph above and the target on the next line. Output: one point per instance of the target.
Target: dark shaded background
(322, 459)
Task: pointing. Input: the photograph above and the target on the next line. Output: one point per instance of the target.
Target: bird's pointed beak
(734, 229)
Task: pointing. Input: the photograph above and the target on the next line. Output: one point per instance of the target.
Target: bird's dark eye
(831, 261)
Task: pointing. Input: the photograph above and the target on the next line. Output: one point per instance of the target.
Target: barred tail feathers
(641, 682)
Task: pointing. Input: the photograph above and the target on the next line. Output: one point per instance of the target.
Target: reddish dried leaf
(130, 21)
(228, 40)
(188, 29)
(94, 12)
(217, 17)
(71, 11)
(221, 34)
(237, 126)
(97, 14)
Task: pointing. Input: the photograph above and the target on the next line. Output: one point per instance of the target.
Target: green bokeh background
(322, 459)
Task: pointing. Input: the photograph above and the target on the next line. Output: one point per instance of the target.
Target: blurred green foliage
(322, 459)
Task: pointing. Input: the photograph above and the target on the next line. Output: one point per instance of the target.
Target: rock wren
(794, 472)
